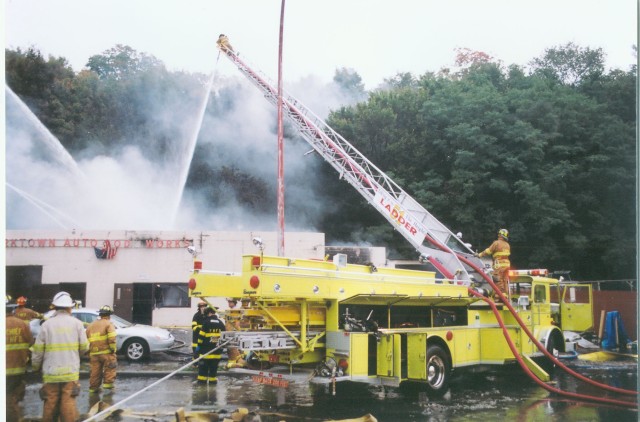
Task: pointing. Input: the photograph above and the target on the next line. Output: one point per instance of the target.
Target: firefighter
(18, 341)
(196, 325)
(102, 351)
(24, 313)
(500, 251)
(232, 323)
(223, 43)
(56, 352)
(208, 339)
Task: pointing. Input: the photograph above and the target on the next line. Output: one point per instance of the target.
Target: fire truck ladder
(267, 340)
(432, 239)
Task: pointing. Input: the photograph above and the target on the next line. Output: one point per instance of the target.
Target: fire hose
(542, 384)
(539, 345)
(117, 405)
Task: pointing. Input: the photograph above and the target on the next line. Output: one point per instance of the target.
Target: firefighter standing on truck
(102, 352)
(208, 339)
(18, 341)
(60, 342)
(500, 251)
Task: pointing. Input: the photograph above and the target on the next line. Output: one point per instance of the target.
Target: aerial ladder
(300, 309)
(435, 243)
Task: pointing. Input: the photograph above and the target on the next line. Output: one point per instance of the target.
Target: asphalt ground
(497, 395)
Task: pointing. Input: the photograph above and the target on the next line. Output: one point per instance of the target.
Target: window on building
(171, 295)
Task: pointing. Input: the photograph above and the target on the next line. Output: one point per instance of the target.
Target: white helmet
(63, 300)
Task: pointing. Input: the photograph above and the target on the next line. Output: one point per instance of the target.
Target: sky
(376, 39)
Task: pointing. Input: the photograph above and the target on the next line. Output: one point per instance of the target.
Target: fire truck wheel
(438, 370)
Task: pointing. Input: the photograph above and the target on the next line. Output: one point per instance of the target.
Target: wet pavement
(505, 393)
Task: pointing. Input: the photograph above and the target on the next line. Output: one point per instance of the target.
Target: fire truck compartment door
(388, 359)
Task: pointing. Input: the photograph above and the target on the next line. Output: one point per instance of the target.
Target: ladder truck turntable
(384, 325)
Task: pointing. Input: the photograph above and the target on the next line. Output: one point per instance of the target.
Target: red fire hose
(516, 354)
(539, 345)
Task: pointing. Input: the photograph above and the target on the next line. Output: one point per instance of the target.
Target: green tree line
(546, 151)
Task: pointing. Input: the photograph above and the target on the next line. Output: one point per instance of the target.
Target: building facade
(143, 275)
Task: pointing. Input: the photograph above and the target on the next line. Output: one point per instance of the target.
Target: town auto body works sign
(96, 243)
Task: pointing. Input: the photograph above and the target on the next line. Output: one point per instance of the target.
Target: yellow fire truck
(384, 325)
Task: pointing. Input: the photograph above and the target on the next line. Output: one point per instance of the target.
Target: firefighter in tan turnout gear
(224, 44)
(500, 251)
(24, 313)
(102, 351)
(18, 341)
(60, 342)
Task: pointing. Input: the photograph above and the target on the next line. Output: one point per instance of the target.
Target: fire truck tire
(438, 370)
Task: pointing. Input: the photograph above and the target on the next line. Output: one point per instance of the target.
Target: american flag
(107, 251)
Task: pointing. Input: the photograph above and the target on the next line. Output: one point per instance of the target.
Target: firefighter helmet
(21, 301)
(105, 310)
(504, 233)
(8, 305)
(210, 310)
(62, 300)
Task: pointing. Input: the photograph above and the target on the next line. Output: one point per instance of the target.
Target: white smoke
(128, 189)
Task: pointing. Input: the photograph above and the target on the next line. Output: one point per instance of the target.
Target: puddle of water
(496, 395)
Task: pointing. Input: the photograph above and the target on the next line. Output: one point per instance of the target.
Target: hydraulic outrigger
(383, 325)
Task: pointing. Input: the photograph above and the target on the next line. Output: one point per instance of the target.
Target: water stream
(191, 146)
(49, 141)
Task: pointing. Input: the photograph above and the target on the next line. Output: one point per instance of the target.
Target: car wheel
(438, 370)
(136, 349)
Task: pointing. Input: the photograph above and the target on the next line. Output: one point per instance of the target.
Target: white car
(135, 341)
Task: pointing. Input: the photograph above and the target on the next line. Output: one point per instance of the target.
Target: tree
(350, 83)
(122, 61)
(570, 64)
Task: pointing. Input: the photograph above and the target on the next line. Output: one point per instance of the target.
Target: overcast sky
(375, 38)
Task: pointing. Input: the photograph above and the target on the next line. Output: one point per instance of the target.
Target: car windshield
(119, 322)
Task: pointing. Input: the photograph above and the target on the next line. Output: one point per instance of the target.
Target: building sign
(93, 243)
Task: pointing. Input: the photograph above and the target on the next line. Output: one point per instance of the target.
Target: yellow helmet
(504, 233)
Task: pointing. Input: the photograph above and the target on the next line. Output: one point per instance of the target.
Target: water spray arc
(47, 209)
(191, 147)
(52, 143)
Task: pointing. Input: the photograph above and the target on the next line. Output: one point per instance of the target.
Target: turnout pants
(60, 401)
(16, 388)
(208, 369)
(501, 278)
(103, 369)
